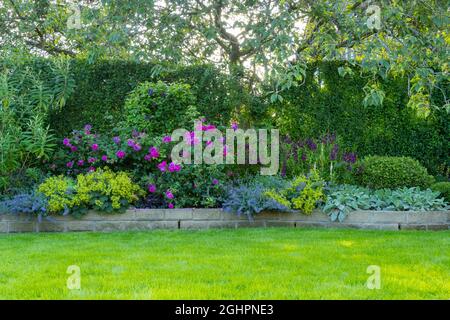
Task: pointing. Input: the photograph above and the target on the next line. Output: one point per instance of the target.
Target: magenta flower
(208, 143)
(69, 164)
(80, 162)
(170, 206)
(234, 126)
(167, 139)
(116, 140)
(147, 157)
(191, 138)
(94, 147)
(154, 153)
(120, 154)
(131, 142)
(91, 169)
(225, 151)
(151, 188)
(73, 149)
(162, 166)
(104, 157)
(199, 127)
(169, 194)
(137, 147)
(209, 127)
(66, 142)
(173, 167)
(92, 160)
(215, 181)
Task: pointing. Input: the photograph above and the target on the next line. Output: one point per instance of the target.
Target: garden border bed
(148, 219)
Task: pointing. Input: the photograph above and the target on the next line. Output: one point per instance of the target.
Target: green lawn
(227, 264)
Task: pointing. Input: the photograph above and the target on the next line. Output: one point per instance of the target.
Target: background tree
(258, 42)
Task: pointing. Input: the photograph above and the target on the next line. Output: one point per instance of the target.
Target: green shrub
(379, 172)
(249, 195)
(346, 198)
(101, 190)
(443, 188)
(159, 108)
(303, 193)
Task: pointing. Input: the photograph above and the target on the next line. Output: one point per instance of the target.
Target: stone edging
(147, 219)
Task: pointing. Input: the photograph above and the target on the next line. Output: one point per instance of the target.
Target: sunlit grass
(227, 264)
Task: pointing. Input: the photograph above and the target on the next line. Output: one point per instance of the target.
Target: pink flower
(162, 166)
(73, 149)
(234, 126)
(80, 162)
(151, 188)
(173, 167)
(208, 143)
(169, 194)
(120, 154)
(170, 206)
(209, 127)
(154, 153)
(94, 147)
(66, 142)
(148, 157)
(69, 164)
(215, 181)
(91, 169)
(167, 139)
(104, 157)
(92, 160)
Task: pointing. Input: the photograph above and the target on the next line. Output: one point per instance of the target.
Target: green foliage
(159, 108)
(102, 87)
(249, 196)
(393, 172)
(327, 102)
(346, 198)
(443, 188)
(27, 95)
(101, 190)
(304, 193)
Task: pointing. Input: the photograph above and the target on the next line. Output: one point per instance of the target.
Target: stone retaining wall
(147, 219)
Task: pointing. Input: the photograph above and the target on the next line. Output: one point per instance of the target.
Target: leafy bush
(443, 188)
(199, 186)
(101, 89)
(26, 98)
(346, 198)
(159, 108)
(249, 198)
(32, 203)
(393, 172)
(101, 190)
(303, 193)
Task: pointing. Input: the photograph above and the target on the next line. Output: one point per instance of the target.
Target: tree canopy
(262, 43)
